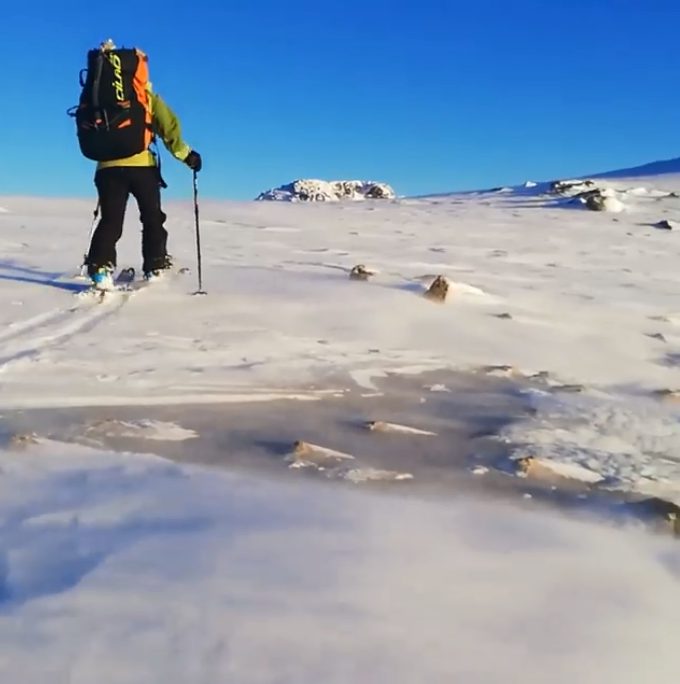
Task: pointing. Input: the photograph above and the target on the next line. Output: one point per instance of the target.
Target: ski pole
(95, 216)
(200, 290)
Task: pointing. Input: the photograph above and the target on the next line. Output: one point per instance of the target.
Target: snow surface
(538, 284)
(126, 568)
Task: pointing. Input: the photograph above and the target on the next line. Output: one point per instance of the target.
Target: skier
(117, 120)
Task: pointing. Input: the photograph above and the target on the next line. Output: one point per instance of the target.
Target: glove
(194, 161)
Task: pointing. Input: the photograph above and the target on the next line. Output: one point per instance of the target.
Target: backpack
(113, 118)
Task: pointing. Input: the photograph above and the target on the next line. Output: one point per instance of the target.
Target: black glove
(194, 161)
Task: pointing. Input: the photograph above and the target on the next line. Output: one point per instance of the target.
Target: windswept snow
(124, 567)
(577, 301)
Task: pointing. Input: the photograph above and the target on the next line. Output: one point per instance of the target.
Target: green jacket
(167, 127)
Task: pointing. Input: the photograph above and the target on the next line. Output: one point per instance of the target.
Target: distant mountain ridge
(656, 168)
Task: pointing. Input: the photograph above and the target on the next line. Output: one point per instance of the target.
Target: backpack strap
(97, 80)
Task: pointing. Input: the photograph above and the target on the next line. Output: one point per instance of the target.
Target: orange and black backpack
(113, 118)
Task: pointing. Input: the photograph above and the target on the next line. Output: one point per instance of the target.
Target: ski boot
(162, 264)
(102, 278)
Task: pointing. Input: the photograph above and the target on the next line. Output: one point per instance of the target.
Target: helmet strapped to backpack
(113, 118)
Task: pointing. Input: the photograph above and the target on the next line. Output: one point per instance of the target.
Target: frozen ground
(126, 567)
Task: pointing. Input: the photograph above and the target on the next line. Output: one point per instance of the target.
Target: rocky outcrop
(588, 194)
(312, 190)
(571, 187)
(603, 201)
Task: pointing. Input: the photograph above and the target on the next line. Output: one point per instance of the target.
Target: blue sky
(430, 95)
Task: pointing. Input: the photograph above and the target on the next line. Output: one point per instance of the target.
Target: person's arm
(167, 127)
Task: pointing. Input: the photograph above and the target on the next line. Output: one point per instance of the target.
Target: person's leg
(147, 191)
(113, 187)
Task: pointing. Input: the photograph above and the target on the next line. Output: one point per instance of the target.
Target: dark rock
(360, 272)
(659, 509)
(665, 224)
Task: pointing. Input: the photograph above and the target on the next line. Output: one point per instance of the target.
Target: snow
(125, 568)
(613, 205)
(128, 567)
(141, 429)
(633, 445)
(534, 287)
(384, 426)
(313, 190)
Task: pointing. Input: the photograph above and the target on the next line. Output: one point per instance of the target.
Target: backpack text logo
(117, 77)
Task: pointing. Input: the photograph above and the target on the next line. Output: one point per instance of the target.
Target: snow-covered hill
(312, 190)
(545, 382)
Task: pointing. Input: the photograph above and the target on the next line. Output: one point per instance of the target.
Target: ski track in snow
(30, 339)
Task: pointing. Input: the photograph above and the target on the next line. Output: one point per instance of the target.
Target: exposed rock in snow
(571, 187)
(383, 426)
(586, 192)
(548, 471)
(661, 509)
(22, 440)
(667, 394)
(665, 224)
(360, 272)
(334, 465)
(305, 455)
(312, 190)
(602, 201)
(438, 290)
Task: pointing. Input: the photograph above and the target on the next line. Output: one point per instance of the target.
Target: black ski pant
(115, 185)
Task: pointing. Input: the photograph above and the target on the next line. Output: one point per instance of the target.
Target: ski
(125, 283)
(122, 282)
